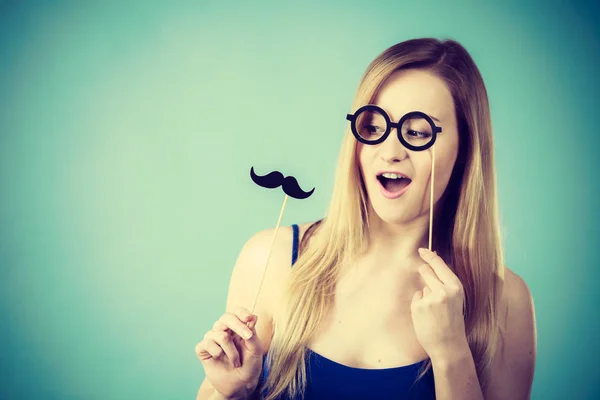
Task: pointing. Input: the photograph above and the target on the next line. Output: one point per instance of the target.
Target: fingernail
(247, 334)
(423, 250)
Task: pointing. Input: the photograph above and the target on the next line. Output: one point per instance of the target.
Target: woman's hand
(437, 309)
(232, 354)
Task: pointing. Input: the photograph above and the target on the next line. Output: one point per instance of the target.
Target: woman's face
(403, 92)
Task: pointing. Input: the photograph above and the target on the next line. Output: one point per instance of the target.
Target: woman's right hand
(232, 360)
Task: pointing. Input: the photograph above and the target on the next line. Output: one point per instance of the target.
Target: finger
(233, 322)
(417, 296)
(243, 314)
(426, 291)
(223, 339)
(208, 349)
(444, 273)
(252, 322)
(219, 326)
(430, 278)
(253, 345)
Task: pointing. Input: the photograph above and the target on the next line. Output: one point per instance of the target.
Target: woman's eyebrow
(429, 115)
(433, 118)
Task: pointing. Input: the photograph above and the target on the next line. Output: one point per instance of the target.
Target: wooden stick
(431, 195)
(269, 255)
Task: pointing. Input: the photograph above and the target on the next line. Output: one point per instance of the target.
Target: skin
(400, 226)
(390, 278)
(512, 370)
(399, 305)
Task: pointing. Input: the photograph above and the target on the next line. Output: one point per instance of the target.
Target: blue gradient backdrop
(127, 130)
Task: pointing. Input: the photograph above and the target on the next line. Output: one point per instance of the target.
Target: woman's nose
(392, 150)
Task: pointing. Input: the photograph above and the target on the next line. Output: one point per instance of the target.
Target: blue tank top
(327, 379)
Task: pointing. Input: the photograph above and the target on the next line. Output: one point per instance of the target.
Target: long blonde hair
(466, 224)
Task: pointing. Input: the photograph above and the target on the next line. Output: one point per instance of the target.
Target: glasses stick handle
(431, 195)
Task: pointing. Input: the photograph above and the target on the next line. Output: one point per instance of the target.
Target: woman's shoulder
(251, 273)
(516, 287)
(274, 244)
(517, 300)
(257, 247)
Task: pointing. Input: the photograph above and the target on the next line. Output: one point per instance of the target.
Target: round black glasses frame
(389, 125)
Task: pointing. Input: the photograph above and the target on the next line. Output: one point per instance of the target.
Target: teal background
(127, 131)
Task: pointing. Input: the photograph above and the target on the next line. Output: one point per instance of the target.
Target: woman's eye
(419, 134)
(373, 129)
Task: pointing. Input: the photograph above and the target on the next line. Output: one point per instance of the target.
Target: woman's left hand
(437, 309)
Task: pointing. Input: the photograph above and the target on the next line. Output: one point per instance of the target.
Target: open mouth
(393, 183)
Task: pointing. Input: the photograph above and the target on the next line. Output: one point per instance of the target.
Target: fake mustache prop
(275, 179)
(291, 188)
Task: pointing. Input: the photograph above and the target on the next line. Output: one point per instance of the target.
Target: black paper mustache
(275, 179)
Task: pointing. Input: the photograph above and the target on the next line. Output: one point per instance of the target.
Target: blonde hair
(466, 224)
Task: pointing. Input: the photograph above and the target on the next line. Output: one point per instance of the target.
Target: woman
(364, 313)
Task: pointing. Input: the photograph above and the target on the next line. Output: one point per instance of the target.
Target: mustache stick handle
(431, 195)
(269, 255)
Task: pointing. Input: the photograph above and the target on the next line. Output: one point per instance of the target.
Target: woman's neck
(397, 242)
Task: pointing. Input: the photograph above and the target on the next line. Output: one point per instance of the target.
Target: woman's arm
(512, 371)
(513, 368)
(244, 282)
(455, 376)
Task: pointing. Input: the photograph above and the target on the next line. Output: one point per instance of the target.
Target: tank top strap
(295, 243)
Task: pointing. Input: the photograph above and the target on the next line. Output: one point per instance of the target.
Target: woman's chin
(392, 217)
